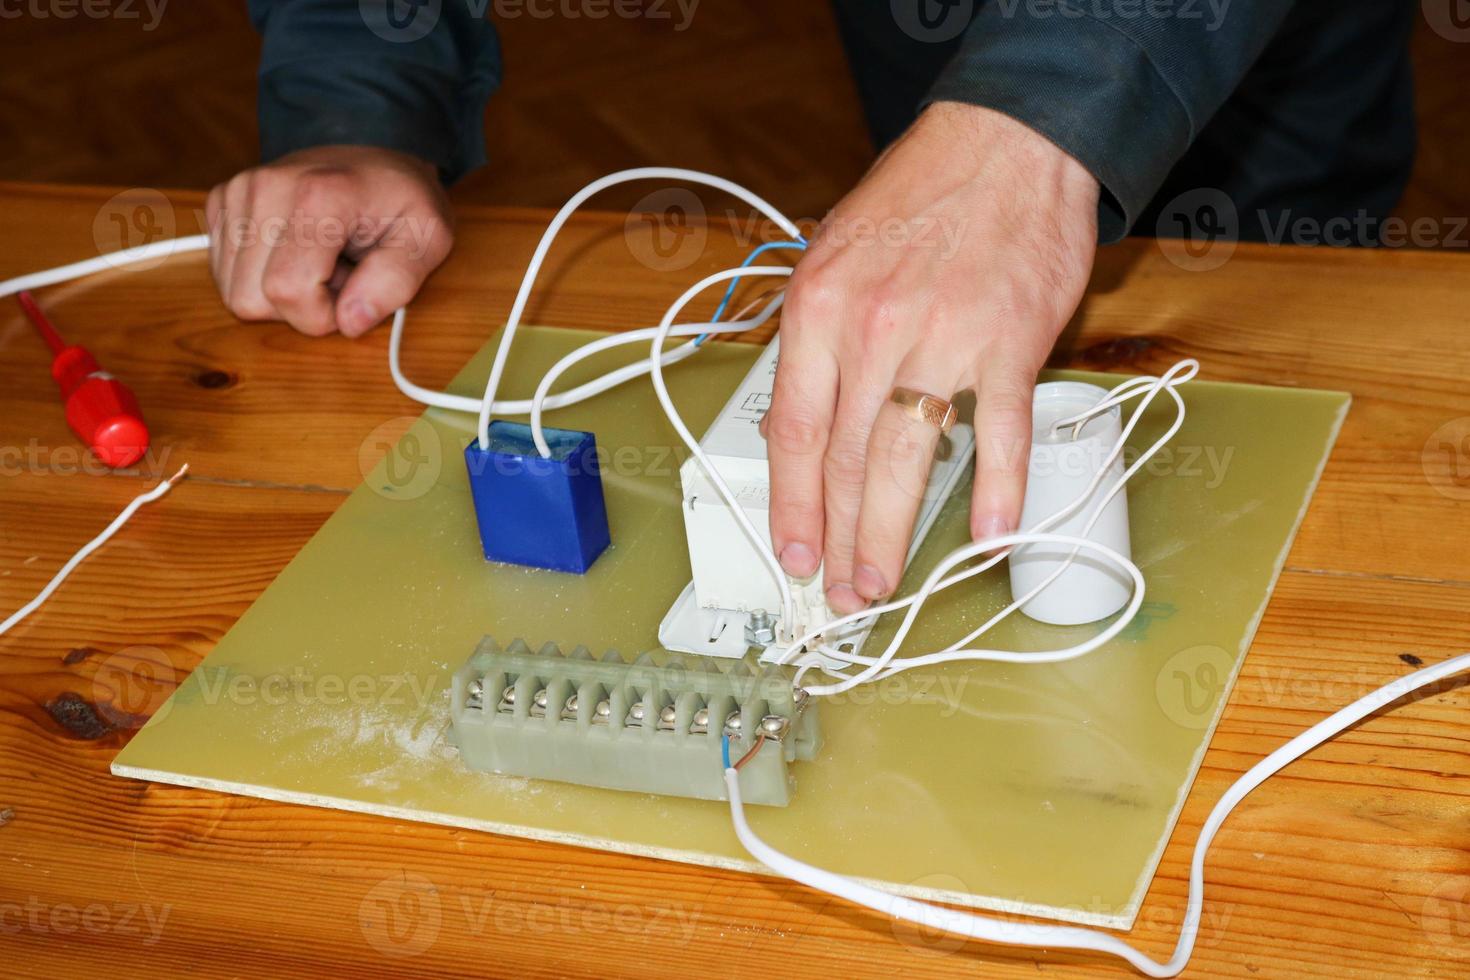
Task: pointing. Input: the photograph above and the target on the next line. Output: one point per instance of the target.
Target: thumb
(386, 277)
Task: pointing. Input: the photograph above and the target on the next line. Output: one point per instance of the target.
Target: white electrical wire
(885, 665)
(425, 396)
(656, 374)
(102, 263)
(492, 385)
(1180, 373)
(1013, 933)
(973, 925)
(91, 546)
(545, 401)
(541, 400)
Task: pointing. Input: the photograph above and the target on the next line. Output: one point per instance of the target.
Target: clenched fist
(333, 238)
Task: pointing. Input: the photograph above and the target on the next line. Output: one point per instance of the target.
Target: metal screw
(700, 723)
(774, 727)
(475, 690)
(732, 724)
(760, 629)
(666, 718)
(635, 715)
(569, 710)
(602, 712)
(508, 698)
(539, 701)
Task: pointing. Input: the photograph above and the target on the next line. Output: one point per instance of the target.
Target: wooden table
(1354, 862)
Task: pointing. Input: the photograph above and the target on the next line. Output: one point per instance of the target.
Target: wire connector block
(654, 725)
(545, 512)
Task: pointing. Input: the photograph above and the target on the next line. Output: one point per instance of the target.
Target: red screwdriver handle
(99, 408)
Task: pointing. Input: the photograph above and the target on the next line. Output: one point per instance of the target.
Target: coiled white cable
(541, 400)
(885, 664)
(523, 296)
(1012, 933)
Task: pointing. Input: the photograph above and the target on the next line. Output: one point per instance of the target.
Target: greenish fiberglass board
(1048, 789)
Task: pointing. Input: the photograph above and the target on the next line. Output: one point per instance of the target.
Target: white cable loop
(1015, 933)
(523, 296)
(541, 400)
(665, 328)
(884, 665)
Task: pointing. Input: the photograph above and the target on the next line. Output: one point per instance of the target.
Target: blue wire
(730, 290)
(725, 750)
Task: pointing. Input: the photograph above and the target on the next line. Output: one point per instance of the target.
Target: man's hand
(333, 238)
(954, 265)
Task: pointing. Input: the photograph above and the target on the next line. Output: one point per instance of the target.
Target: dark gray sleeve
(1124, 86)
(407, 75)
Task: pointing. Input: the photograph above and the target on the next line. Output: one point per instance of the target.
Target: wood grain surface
(1355, 862)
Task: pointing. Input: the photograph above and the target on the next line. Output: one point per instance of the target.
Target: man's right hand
(332, 238)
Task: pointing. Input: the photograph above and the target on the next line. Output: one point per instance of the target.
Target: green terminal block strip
(652, 726)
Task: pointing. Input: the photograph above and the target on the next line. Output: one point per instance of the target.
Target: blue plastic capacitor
(534, 510)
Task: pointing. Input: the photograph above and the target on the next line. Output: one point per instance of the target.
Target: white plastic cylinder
(1062, 465)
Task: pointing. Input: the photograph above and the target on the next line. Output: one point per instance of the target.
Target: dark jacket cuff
(327, 77)
(1084, 85)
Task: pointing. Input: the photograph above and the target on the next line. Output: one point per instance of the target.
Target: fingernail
(358, 318)
(869, 582)
(992, 527)
(841, 599)
(798, 560)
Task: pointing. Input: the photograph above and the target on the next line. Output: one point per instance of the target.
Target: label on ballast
(736, 431)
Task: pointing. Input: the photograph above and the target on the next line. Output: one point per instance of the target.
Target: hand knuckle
(796, 431)
(843, 468)
(320, 191)
(279, 288)
(814, 298)
(249, 306)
